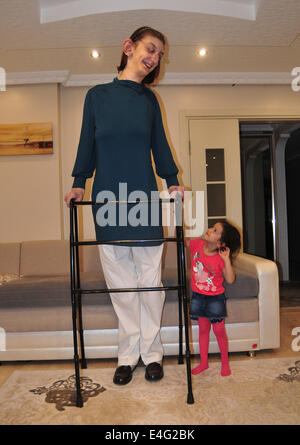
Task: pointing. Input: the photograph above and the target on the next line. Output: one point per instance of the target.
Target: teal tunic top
(121, 125)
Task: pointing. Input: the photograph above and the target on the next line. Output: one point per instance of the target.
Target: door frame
(274, 196)
(242, 115)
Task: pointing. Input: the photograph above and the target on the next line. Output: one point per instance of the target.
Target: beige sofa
(35, 304)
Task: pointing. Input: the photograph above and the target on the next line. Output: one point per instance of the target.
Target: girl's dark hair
(231, 237)
(136, 36)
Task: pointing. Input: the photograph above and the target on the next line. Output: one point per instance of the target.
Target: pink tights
(220, 333)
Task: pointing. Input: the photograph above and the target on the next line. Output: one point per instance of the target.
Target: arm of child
(228, 271)
(187, 243)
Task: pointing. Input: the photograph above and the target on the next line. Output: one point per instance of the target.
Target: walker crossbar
(128, 289)
(77, 292)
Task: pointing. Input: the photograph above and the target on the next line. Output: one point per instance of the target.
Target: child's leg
(220, 333)
(204, 329)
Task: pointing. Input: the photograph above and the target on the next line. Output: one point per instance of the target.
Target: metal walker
(77, 292)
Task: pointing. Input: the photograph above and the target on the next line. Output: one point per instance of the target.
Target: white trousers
(139, 313)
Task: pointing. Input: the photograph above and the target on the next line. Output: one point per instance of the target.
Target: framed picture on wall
(26, 139)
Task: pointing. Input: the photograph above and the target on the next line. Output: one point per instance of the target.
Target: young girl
(210, 263)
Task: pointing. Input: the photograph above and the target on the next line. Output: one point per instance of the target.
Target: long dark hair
(138, 35)
(230, 237)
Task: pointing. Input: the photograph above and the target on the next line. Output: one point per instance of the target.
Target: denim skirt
(208, 306)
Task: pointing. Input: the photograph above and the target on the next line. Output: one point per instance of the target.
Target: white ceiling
(55, 10)
(245, 39)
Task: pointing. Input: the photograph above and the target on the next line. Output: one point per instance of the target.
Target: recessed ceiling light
(94, 54)
(202, 52)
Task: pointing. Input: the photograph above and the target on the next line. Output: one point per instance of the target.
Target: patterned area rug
(259, 391)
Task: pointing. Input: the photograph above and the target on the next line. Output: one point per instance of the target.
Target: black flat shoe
(154, 372)
(123, 375)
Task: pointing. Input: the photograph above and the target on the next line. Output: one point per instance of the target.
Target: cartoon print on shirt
(203, 279)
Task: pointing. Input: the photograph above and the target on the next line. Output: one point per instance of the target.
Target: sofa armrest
(268, 297)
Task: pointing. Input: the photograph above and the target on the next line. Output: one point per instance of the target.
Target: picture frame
(26, 139)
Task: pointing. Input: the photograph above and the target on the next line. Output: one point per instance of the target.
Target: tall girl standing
(121, 127)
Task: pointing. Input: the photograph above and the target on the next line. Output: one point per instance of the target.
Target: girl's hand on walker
(75, 193)
(174, 189)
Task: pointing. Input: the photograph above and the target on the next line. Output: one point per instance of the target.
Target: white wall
(30, 195)
(32, 187)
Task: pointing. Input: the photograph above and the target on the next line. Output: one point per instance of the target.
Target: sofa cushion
(54, 318)
(10, 258)
(245, 285)
(44, 304)
(36, 292)
(47, 258)
(45, 291)
(242, 310)
(89, 258)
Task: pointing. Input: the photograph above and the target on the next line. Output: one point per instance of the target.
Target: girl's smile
(148, 52)
(143, 57)
(154, 50)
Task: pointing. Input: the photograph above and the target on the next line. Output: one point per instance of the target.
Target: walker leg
(190, 397)
(180, 325)
(82, 349)
(180, 352)
(79, 301)
(79, 402)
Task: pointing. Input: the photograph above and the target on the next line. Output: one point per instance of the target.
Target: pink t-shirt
(206, 270)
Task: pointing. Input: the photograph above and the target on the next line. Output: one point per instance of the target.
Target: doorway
(258, 193)
(270, 166)
(292, 167)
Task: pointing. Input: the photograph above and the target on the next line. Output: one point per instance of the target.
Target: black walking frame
(76, 291)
